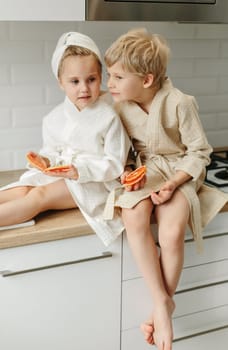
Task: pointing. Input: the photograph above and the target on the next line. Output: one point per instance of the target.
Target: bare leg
(171, 231)
(14, 193)
(41, 198)
(137, 224)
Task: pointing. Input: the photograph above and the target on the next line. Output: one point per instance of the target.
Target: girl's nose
(84, 86)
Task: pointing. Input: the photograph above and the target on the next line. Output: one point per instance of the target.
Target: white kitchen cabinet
(201, 299)
(206, 341)
(61, 295)
(42, 10)
(137, 304)
(212, 251)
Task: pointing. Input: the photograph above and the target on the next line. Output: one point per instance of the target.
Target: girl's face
(123, 85)
(80, 79)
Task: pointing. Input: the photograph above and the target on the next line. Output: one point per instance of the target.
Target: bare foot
(163, 330)
(148, 330)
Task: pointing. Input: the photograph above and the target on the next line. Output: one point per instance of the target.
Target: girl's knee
(22, 191)
(52, 196)
(38, 194)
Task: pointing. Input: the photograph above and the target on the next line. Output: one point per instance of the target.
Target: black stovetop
(217, 171)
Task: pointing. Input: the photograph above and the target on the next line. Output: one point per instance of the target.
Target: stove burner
(223, 174)
(217, 171)
(213, 164)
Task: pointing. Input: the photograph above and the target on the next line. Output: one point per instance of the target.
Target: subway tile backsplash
(28, 89)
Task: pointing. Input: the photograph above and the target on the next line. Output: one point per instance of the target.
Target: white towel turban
(68, 39)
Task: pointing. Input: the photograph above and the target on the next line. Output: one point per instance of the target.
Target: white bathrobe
(95, 142)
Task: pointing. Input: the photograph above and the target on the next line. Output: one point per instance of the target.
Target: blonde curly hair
(141, 53)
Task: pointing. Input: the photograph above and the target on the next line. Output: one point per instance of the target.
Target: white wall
(28, 90)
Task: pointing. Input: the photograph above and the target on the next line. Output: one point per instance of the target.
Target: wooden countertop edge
(50, 226)
(32, 238)
(225, 208)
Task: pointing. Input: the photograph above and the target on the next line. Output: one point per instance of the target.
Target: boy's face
(80, 79)
(123, 85)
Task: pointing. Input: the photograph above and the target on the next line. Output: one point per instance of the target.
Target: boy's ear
(148, 80)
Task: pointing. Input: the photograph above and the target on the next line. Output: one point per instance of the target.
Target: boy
(168, 139)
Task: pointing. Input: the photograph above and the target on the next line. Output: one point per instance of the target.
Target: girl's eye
(75, 81)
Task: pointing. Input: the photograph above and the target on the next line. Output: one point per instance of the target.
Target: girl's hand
(72, 173)
(165, 193)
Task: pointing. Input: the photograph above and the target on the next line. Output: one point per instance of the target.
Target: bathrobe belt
(186, 189)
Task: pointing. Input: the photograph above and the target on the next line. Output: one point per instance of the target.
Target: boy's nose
(109, 83)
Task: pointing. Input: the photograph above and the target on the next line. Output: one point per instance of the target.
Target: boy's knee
(139, 216)
(142, 208)
(172, 238)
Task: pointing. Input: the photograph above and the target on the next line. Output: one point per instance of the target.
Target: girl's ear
(148, 80)
(60, 84)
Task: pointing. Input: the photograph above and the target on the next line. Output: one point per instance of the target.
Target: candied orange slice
(60, 168)
(135, 176)
(34, 160)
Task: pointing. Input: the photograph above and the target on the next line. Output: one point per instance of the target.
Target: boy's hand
(167, 189)
(165, 193)
(136, 186)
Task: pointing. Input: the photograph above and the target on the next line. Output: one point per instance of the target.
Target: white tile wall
(28, 90)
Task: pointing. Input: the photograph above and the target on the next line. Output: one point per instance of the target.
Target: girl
(83, 132)
(168, 138)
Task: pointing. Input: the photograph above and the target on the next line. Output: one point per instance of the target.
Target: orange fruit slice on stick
(34, 160)
(135, 176)
(60, 168)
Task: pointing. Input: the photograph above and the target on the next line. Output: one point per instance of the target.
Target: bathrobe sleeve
(52, 127)
(197, 153)
(108, 165)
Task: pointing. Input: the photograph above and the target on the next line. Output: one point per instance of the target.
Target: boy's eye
(91, 79)
(75, 81)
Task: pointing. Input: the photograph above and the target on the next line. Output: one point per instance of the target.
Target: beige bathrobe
(168, 139)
